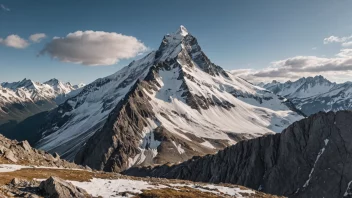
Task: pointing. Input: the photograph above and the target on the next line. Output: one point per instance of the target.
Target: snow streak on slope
(167, 107)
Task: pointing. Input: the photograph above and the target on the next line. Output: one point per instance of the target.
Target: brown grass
(43, 173)
(184, 192)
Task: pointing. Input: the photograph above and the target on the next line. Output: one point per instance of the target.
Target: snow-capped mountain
(166, 107)
(302, 88)
(314, 94)
(18, 100)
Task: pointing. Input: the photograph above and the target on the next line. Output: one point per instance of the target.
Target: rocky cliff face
(311, 158)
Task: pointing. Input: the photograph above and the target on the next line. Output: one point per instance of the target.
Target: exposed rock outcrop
(55, 187)
(311, 158)
(14, 152)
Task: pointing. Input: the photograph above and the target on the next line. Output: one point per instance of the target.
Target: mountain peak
(26, 83)
(52, 81)
(80, 85)
(317, 79)
(182, 31)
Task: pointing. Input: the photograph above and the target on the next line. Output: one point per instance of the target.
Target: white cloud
(239, 72)
(347, 44)
(345, 53)
(336, 39)
(335, 68)
(36, 38)
(94, 48)
(14, 41)
(3, 7)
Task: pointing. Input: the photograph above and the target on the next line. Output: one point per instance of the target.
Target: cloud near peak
(335, 68)
(93, 48)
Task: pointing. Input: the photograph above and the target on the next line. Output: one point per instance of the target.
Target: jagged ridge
(19, 100)
(314, 94)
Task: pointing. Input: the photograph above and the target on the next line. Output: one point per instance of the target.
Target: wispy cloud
(36, 38)
(4, 8)
(334, 68)
(346, 40)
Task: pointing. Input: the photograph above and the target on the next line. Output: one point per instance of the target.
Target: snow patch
(178, 147)
(11, 167)
(326, 141)
(114, 188)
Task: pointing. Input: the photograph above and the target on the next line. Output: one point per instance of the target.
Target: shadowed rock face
(311, 158)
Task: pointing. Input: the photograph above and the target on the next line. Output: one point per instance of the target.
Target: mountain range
(19, 100)
(314, 94)
(167, 107)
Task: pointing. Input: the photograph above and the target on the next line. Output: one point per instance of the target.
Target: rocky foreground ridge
(31, 173)
(21, 153)
(311, 158)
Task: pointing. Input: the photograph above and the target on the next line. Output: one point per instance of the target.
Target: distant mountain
(169, 106)
(311, 158)
(19, 100)
(314, 94)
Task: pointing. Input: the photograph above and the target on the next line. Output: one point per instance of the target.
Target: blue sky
(234, 34)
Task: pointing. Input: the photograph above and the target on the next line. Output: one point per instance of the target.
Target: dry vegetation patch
(184, 192)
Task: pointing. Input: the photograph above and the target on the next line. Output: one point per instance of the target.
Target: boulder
(56, 155)
(2, 149)
(25, 145)
(55, 187)
(16, 181)
(10, 156)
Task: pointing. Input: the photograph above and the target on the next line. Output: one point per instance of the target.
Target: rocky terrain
(31, 173)
(19, 100)
(106, 185)
(314, 94)
(167, 107)
(311, 158)
(21, 153)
